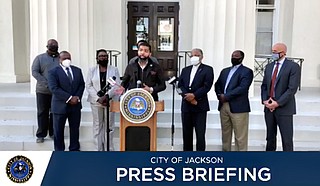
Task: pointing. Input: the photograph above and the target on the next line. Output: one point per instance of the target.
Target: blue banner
(183, 168)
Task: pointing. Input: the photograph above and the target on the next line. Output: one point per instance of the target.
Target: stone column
(220, 27)
(14, 30)
(80, 27)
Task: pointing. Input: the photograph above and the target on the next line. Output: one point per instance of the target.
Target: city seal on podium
(137, 105)
(19, 169)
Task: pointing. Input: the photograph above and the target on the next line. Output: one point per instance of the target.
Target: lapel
(188, 70)
(135, 68)
(96, 78)
(225, 76)
(149, 67)
(74, 75)
(269, 74)
(234, 76)
(63, 74)
(282, 69)
(199, 70)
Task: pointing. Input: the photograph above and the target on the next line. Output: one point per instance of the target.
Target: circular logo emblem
(19, 169)
(137, 105)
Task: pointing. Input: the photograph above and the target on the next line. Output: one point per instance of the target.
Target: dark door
(156, 22)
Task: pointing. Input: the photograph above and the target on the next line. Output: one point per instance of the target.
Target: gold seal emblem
(137, 105)
(19, 169)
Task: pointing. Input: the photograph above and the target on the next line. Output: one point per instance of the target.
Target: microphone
(103, 91)
(112, 81)
(139, 84)
(172, 81)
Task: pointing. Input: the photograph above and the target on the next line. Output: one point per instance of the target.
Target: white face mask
(194, 60)
(66, 63)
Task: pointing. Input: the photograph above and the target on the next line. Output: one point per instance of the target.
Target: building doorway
(157, 23)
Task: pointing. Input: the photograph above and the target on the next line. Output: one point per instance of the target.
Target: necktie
(273, 80)
(69, 75)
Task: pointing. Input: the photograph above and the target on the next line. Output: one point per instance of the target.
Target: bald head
(52, 41)
(281, 49)
(52, 46)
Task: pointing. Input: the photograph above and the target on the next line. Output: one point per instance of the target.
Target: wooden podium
(150, 125)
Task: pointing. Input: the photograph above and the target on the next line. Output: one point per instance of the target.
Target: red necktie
(273, 80)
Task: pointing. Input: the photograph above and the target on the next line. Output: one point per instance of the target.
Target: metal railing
(260, 62)
(113, 57)
(183, 57)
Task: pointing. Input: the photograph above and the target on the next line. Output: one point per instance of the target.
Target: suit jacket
(286, 86)
(93, 82)
(154, 77)
(62, 89)
(237, 92)
(200, 87)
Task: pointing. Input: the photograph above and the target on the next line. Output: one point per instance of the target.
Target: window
(264, 35)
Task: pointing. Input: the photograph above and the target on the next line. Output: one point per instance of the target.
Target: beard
(143, 58)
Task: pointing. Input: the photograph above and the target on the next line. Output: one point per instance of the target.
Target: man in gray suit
(280, 83)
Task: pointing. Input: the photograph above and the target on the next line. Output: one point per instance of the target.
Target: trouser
(99, 115)
(237, 123)
(44, 115)
(198, 121)
(59, 122)
(285, 123)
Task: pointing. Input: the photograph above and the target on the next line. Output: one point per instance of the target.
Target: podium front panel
(137, 138)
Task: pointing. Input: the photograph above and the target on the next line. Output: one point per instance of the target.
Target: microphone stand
(104, 92)
(108, 121)
(108, 118)
(172, 81)
(172, 118)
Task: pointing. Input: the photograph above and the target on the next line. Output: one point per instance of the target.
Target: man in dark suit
(146, 71)
(195, 82)
(67, 85)
(232, 89)
(280, 83)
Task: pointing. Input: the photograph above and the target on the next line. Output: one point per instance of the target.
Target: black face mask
(236, 61)
(103, 63)
(53, 48)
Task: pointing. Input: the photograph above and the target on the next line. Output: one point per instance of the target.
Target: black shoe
(51, 136)
(40, 140)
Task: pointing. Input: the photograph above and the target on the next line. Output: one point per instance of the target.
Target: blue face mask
(275, 56)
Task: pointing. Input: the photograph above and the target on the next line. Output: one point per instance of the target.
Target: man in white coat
(96, 81)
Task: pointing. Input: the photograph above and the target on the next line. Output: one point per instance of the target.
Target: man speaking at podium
(144, 73)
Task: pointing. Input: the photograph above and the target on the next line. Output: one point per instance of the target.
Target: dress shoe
(40, 140)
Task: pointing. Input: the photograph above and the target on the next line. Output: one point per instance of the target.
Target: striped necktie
(273, 80)
(69, 75)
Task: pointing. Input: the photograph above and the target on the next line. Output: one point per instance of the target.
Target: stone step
(163, 144)
(18, 122)
(18, 128)
(29, 113)
(17, 100)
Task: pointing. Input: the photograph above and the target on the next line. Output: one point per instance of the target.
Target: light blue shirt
(232, 71)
